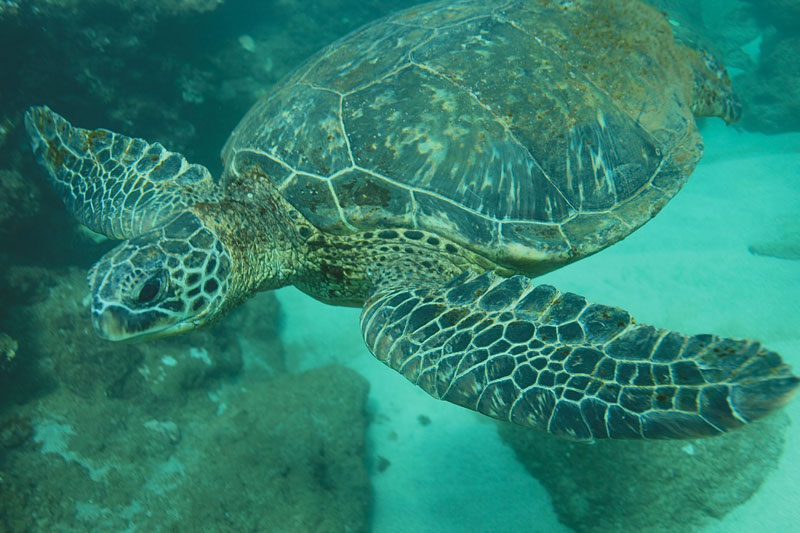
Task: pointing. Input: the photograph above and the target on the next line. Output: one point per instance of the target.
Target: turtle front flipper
(551, 360)
(115, 185)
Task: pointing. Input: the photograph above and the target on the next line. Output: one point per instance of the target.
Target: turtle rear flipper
(115, 185)
(551, 360)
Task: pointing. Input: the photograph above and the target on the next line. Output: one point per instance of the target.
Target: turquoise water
(278, 418)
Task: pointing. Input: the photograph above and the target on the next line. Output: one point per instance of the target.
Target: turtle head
(162, 282)
(712, 94)
(171, 273)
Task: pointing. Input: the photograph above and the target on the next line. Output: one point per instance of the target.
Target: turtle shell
(532, 132)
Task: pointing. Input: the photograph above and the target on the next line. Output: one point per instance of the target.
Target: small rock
(168, 429)
(8, 348)
(247, 43)
(383, 463)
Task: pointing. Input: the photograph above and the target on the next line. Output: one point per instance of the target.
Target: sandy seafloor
(689, 269)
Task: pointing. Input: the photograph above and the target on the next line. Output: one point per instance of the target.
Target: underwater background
(278, 418)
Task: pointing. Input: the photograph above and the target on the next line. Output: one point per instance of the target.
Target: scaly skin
(272, 245)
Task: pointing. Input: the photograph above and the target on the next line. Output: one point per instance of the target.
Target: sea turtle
(427, 167)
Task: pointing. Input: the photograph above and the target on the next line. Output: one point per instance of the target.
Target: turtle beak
(108, 326)
(114, 323)
(119, 324)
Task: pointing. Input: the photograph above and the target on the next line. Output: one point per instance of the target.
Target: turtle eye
(149, 290)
